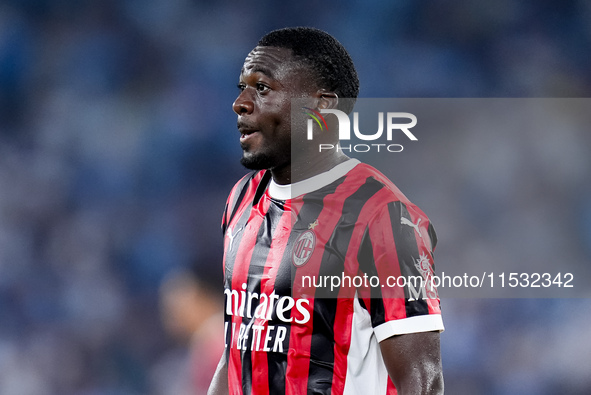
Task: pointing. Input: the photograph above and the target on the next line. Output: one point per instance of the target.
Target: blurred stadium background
(118, 147)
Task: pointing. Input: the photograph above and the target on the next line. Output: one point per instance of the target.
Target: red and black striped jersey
(315, 276)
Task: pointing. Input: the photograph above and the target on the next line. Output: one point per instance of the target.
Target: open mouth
(246, 132)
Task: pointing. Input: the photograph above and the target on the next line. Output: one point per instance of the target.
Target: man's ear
(327, 99)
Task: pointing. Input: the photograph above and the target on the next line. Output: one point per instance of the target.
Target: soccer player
(285, 331)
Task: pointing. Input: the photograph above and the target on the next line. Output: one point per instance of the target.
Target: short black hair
(325, 55)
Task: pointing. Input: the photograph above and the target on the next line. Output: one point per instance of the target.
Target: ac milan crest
(303, 248)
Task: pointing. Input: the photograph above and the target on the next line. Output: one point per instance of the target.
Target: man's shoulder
(389, 200)
(370, 174)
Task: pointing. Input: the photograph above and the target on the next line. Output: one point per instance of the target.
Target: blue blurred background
(118, 147)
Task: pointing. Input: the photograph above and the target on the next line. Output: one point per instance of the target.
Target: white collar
(289, 191)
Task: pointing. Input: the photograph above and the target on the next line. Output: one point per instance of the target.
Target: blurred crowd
(118, 146)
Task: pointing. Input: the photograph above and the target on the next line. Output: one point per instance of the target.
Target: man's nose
(243, 104)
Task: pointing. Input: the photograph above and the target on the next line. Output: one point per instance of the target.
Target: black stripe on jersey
(262, 187)
(433, 237)
(407, 250)
(367, 265)
(325, 301)
(256, 270)
(231, 210)
(277, 368)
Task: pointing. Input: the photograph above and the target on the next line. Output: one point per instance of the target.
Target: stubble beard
(258, 162)
(265, 159)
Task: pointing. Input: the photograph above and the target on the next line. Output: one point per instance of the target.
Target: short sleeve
(396, 255)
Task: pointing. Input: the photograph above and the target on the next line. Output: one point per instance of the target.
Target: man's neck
(302, 169)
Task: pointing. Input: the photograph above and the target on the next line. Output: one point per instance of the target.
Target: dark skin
(269, 80)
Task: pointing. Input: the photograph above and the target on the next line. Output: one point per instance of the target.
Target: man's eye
(261, 87)
(241, 86)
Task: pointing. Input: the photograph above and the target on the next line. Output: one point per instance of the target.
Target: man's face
(268, 81)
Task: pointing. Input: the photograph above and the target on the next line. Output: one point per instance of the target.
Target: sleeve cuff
(419, 323)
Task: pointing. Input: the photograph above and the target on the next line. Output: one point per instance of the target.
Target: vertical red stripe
(342, 332)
